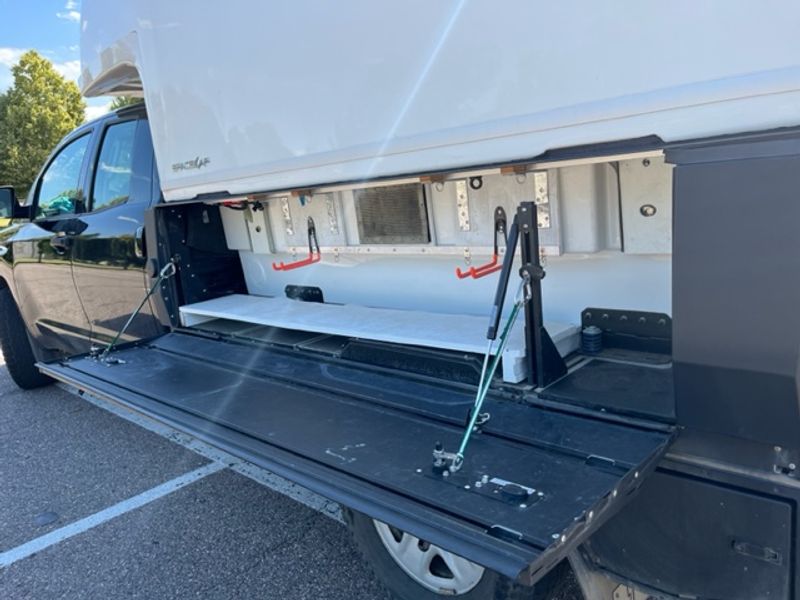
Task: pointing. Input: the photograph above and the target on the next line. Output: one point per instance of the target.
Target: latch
(785, 462)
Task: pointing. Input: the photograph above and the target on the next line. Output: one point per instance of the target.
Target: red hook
(493, 265)
(478, 272)
(314, 254)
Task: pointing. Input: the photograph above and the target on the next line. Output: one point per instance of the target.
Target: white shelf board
(464, 333)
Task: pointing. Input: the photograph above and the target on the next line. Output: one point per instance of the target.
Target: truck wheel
(16, 346)
(412, 569)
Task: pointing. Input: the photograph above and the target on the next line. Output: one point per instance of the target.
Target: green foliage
(121, 101)
(39, 109)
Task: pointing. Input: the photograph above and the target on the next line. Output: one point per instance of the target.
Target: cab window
(59, 190)
(114, 172)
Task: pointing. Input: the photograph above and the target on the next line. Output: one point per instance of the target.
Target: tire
(479, 584)
(16, 346)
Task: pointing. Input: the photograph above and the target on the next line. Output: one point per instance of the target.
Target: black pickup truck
(75, 269)
(664, 458)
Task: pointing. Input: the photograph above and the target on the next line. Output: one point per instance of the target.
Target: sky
(52, 28)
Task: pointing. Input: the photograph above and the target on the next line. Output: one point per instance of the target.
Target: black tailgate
(364, 438)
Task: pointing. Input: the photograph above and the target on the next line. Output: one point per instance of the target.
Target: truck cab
(76, 269)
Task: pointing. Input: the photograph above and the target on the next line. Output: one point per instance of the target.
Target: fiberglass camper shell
(354, 193)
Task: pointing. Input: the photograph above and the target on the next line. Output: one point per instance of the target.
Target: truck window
(112, 181)
(59, 191)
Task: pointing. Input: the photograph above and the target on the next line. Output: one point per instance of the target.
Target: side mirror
(9, 207)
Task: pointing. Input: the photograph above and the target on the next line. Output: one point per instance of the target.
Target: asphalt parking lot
(79, 517)
(98, 502)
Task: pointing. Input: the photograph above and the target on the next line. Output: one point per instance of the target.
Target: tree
(38, 110)
(121, 101)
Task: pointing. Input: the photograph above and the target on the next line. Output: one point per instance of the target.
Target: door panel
(43, 249)
(108, 257)
(365, 438)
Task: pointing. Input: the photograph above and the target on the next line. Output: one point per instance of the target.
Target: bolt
(523, 506)
(792, 466)
(555, 536)
(484, 479)
(419, 470)
(446, 474)
(540, 494)
(466, 487)
(478, 484)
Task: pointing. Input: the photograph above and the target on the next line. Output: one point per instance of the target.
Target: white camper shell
(427, 100)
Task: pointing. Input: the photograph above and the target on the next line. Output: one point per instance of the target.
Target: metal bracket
(287, 216)
(333, 222)
(785, 462)
(462, 204)
(541, 199)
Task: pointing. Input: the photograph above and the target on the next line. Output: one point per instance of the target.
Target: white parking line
(59, 535)
(262, 476)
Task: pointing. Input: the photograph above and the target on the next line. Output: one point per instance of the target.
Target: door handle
(138, 245)
(61, 243)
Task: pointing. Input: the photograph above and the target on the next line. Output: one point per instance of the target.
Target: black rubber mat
(365, 438)
(618, 387)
